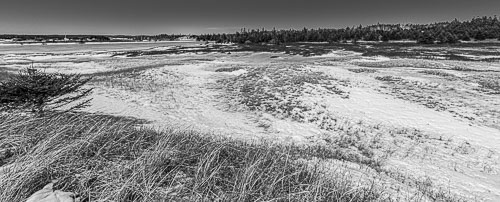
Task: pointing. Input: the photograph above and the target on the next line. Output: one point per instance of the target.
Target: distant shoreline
(88, 43)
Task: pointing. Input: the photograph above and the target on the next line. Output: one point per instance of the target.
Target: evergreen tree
(39, 92)
(426, 38)
(444, 32)
(479, 36)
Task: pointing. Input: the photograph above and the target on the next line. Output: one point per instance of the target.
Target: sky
(149, 17)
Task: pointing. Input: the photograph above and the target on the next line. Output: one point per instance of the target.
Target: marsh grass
(437, 73)
(491, 84)
(426, 188)
(129, 71)
(388, 78)
(276, 88)
(137, 81)
(462, 69)
(111, 159)
(414, 63)
(229, 69)
(362, 70)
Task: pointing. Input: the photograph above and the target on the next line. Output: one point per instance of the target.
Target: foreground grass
(111, 159)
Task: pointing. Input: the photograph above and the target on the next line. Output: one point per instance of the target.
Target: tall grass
(111, 159)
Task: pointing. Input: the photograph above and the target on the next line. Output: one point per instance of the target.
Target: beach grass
(105, 158)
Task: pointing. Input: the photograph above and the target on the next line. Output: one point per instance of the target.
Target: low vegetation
(277, 89)
(492, 84)
(137, 81)
(399, 63)
(463, 69)
(228, 69)
(388, 78)
(363, 70)
(437, 73)
(108, 158)
(36, 91)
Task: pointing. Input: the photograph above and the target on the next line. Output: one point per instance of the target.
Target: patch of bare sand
(192, 102)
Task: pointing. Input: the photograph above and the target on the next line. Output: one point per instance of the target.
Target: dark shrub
(38, 92)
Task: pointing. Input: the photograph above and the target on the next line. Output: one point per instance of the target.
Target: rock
(47, 194)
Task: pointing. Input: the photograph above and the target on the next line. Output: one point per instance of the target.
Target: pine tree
(479, 36)
(426, 38)
(39, 92)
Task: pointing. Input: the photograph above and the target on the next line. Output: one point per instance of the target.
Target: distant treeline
(98, 38)
(17, 37)
(444, 32)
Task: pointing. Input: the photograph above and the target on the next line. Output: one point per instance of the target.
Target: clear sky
(215, 16)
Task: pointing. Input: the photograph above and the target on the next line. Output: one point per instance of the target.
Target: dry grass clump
(229, 69)
(399, 63)
(110, 159)
(363, 70)
(152, 80)
(437, 73)
(425, 93)
(426, 188)
(462, 68)
(276, 89)
(388, 78)
(491, 84)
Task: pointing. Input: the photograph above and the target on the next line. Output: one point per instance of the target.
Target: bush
(39, 92)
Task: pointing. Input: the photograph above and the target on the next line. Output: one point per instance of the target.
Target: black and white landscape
(249, 100)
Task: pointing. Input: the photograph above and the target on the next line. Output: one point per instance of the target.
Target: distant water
(117, 46)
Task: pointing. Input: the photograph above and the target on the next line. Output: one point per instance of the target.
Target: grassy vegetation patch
(229, 69)
(491, 84)
(129, 71)
(388, 78)
(437, 73)
(277, 89)
(107, 158)
(398, 63)
(150, 80)
(463, 69)
(363, 70)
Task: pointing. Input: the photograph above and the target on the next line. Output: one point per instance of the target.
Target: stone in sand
(47, 194)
